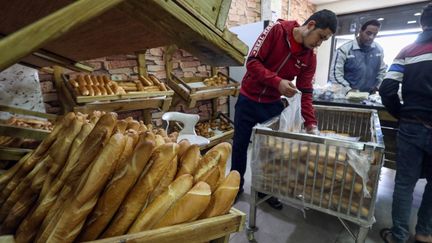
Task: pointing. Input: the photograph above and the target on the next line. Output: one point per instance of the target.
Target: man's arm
(304, 84)
(261, 51)
(382, 70)
(337, 69)
(390, 86)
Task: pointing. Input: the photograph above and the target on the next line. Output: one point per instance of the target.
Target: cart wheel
(250, 234)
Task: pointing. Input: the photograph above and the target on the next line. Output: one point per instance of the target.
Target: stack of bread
(17, 142)
(208, 129)
(320, 174)
(91, 85)
(96, 177)
(216, 80)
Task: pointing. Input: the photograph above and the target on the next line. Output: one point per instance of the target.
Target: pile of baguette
(97, 177)
(92, 85)
(320, 174)
(16, 142)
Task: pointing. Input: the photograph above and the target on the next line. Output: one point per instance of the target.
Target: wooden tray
(216, 229)
(80, 99)
(184, 88)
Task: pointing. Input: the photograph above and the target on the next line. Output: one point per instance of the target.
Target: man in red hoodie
(283, 51)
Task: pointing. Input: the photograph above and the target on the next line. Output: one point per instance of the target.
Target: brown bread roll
(74, 83)
(224, 196)
(189, 207)
(88, 80)
(189, 161)
(137, 197)
(154, 212)
(117, 189)
(70, 219)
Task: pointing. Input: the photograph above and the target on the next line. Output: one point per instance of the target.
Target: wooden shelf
(216, 229)
(87, 29)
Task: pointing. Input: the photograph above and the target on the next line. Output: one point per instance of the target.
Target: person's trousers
(247, 114)
(414, 160)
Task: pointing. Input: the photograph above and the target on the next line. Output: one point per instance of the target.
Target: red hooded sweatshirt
(276, 56)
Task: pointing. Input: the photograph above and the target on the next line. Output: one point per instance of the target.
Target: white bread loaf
(123, 180)
(224, 196)
(154, 212)
(189, 161)
(189, 207)
(69, 221)
(211, 177)
(137, 197)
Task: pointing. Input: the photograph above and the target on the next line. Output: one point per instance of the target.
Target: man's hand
(287, 88)
(353, 90)
(312, 129)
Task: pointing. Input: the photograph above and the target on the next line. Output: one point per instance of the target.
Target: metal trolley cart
(337, 174)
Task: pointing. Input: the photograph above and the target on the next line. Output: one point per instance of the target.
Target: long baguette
(225, 151)
(74, 167)
(117, 189)
(207, 162)
(189, 161)
(138, 196)
(224, 196)
(165, 181)
(154, 212)
(189, 207)
(67, 226)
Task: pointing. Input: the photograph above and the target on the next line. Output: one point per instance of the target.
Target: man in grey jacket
(358, 64)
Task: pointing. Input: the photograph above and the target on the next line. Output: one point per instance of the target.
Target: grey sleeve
(382, 70)
(337, 68)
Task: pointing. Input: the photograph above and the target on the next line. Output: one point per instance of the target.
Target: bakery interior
(116, 125)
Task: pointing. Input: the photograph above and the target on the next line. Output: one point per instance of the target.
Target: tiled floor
(290, 225)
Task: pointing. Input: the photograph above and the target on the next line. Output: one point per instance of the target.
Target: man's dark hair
(324, 19)
(426, 17)
(373, 22)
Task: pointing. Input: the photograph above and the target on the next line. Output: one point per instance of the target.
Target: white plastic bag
(291, 119)
(360, 162)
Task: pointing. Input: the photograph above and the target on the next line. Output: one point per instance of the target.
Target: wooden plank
(17, 110)
(166, 104)
(197, 231)
(142, 68)
(223, 14)
(21, 43)
(23, 132)
(224, 239)
(188, 32)
(168, 54)
(122, 105)
(12, 153)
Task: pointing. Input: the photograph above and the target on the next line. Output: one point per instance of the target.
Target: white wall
(344, 7)
(352, 6)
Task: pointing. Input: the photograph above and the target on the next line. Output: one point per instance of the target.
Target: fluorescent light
(380, 19)
(399, 32)
(417, 14)
(412, 22)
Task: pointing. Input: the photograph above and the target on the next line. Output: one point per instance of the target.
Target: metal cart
(331, 174)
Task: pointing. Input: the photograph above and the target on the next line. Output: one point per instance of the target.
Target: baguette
(117, 189)
(184, 145)
(121, 126)
(154, 80)
(224, 196)
(211, 177)
(189, 207)
(154, 212)
(162, 87)
(74, 167)
(189, 161)
(136, 198)
(144, 81)
(134, 125)
(225, 151)
(207, 162)
(82, 135)
(159, 140)
(71, 218)
(166, 180)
